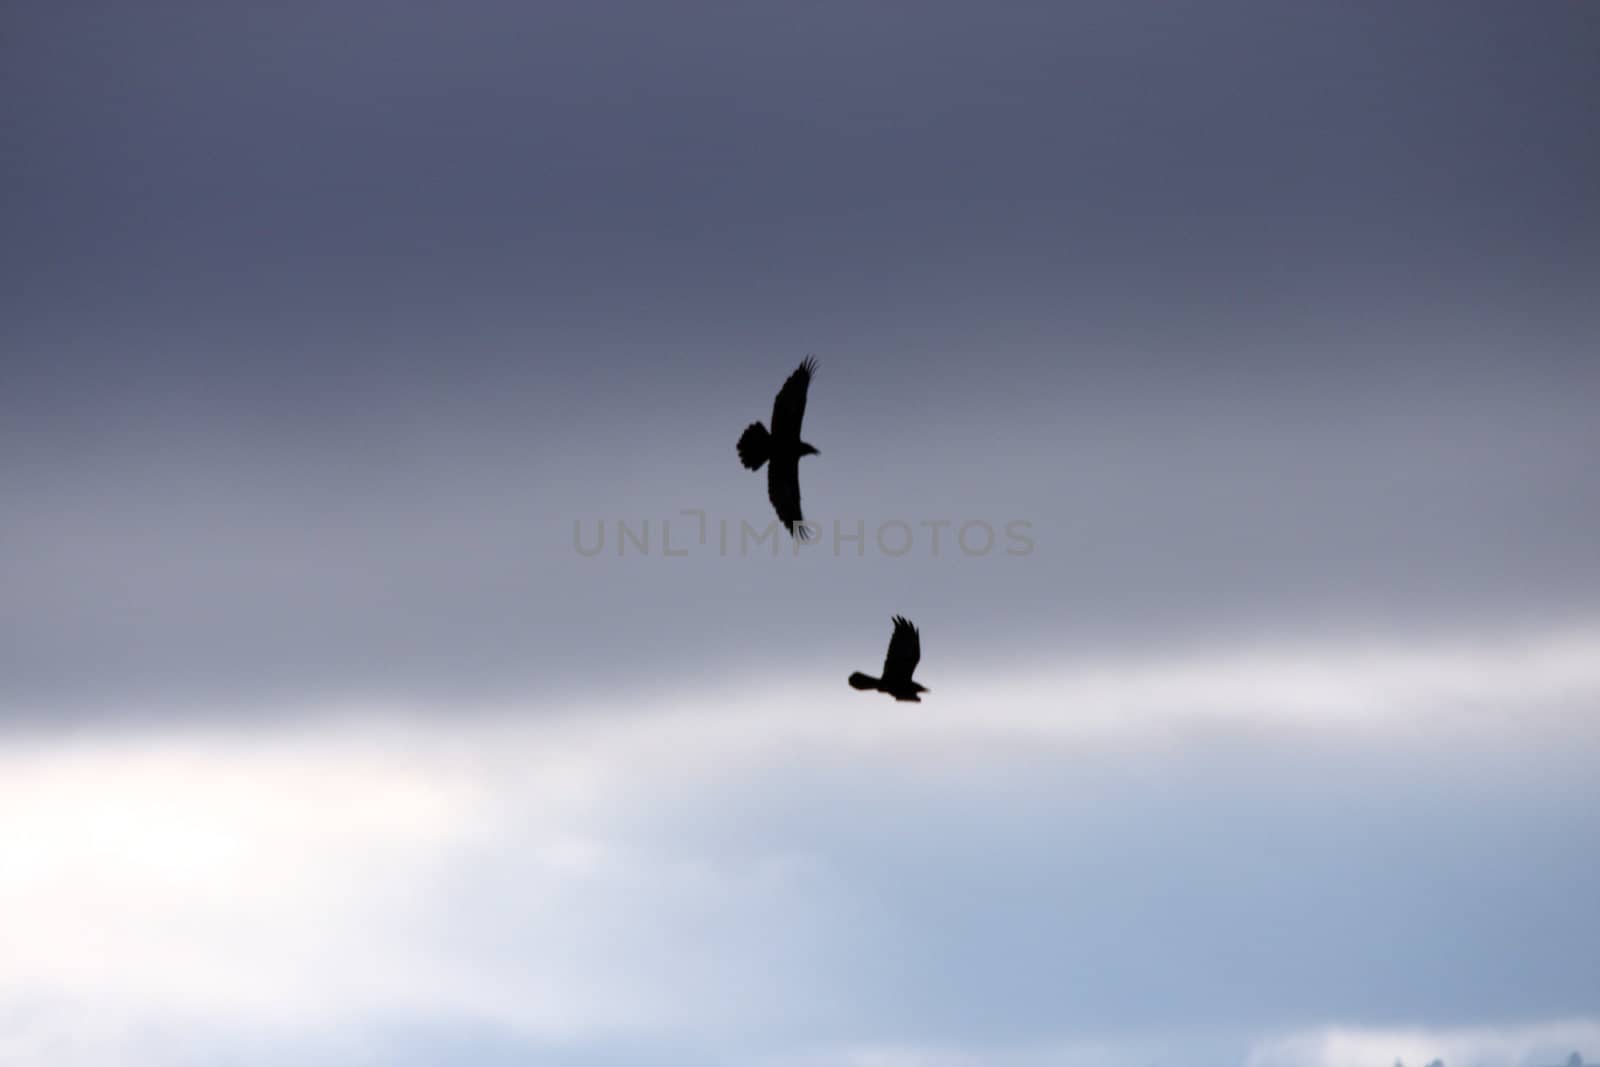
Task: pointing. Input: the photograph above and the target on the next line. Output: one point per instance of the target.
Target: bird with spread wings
(781, 449)
(905, 651)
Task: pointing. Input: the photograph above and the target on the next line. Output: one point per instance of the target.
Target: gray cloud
(325, 326)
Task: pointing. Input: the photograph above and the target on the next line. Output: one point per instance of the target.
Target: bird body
(905, 652)
(781, 448)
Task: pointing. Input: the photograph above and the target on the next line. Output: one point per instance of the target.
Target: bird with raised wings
(781, 448)
(905, 651)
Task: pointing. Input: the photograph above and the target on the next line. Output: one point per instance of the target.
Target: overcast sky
(327, 328)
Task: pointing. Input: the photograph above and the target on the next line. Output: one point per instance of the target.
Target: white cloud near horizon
(1545, 1043)
(1539, 1044)
(717, 866)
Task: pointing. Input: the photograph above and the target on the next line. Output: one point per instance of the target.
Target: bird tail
(863, 681)
(755, 445)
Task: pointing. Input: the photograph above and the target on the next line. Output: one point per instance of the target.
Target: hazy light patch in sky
(1539, 1044)
(660, 873)
(1543, 1044)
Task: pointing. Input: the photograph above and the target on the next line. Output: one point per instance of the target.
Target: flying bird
(781, 449)
(905, 650)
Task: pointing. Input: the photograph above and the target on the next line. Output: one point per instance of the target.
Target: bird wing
(789, 408)
(783, 489)
(905, 651)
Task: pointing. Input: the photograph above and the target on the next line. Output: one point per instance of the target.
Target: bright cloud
(1542, 1044)
(712, 866)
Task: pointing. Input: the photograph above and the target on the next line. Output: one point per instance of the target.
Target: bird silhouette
(782, 448)
(905, 650)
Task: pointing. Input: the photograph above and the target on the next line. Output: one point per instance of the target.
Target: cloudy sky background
(323, 329)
